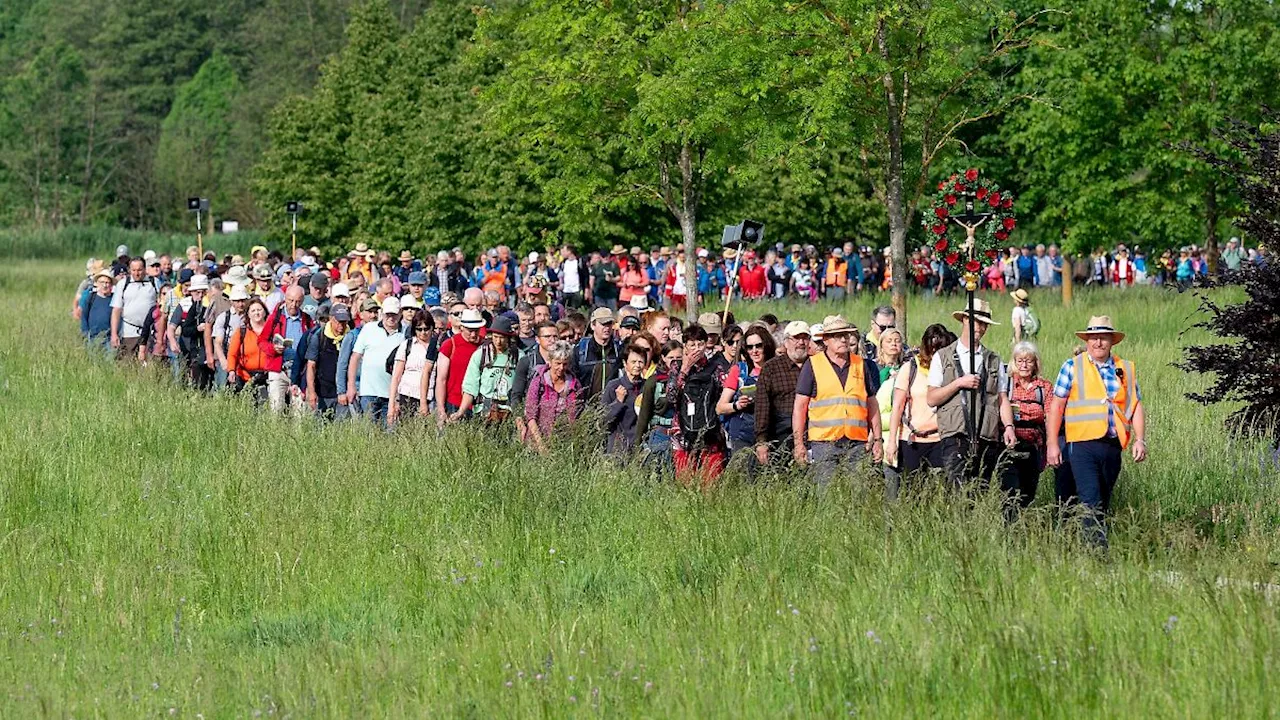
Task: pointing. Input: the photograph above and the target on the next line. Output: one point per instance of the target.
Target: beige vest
(953, 414)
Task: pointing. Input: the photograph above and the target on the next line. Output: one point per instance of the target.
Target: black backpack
(390, 363)
(697, 406)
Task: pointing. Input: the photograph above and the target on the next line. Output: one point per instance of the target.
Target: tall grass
(83, 242)
(171, 555)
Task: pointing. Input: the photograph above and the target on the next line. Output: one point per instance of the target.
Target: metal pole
(733, 277)
(293, 237)
(199, 237)
(973, 399)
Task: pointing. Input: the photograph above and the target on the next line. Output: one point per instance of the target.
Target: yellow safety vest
(1088, 404)
(836, 412)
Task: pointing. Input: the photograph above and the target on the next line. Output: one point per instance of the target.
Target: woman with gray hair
(1028, 394)
(554, 395)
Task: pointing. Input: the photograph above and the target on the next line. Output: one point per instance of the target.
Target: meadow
(177, 556)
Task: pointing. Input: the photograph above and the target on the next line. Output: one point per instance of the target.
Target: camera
(293, 207)
(747, 233)
(196, 204)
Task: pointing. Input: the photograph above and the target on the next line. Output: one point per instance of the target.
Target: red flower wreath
(948, 238)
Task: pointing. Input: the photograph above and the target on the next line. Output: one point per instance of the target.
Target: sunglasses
(422, 330)
(755, 346)
(567, 336)
(455, 314)
(642, 348)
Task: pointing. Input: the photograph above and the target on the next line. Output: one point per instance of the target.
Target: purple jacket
(544, 406)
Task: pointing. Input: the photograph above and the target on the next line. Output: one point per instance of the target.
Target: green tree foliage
(1124, 85)
(191, 158)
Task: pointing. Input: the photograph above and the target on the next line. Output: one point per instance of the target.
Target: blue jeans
(326, 408)
(376, 408)
(1096, 467)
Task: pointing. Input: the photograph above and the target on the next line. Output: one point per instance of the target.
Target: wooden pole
(1068, 273)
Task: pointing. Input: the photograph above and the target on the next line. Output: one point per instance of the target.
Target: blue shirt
(1110, 380)
(292, 331)
(95, 314)
(344, 359)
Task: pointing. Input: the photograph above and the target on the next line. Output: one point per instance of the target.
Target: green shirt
(494, 383)
(606, 288)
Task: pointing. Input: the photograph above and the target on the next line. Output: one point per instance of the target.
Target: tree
(1124, 85)
(617, 101)
(896, 82)
(1246, 368)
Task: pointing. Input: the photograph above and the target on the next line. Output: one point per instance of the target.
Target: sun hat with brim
(796, 328)
(409, 302)
(730, 253)
(981, 313)
(815, 331)
(601, 315)
(471, 319)
(104, 273)
(406, 255)
(503, 325)
(837, 325)
(618, 250)
(263, 272)
(1020, 296)
(362, 250)
(640, 303)
(257, 249)
(1101, 325)
(236, 275)
(391, 306)
(198, 282)
(237, 292)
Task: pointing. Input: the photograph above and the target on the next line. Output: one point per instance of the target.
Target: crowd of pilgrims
(537, 345)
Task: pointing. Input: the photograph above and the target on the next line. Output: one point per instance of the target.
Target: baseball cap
(417, 278)
(629, 322)
(320, 281)
(262, 272)
(391, 306)
(185, 275)
(370, 305)
(702, 252)
(238, 293)
(153, 261)
(601, 315)
(122, 250)
(711, 323)
(341, 313)
(340, 290)
(533, 257)
(409, 301)
(149, 255)
(796, 328)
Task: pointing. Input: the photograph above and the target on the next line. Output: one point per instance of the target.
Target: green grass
(83, 242)
(169, 555)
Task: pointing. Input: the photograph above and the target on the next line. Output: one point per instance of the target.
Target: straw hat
(236, 275)
(981, 312)
(238, 292)
(104, 273)
(618, 250)
(836, 325)
(640, 303)
(1101, 325)
(362, 250)
(730, 253)
(406, 255)
(1020, 296)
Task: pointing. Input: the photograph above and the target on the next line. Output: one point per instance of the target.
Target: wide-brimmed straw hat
(837, 325)
(1020, 296)
(981, 312)
(1101, 325)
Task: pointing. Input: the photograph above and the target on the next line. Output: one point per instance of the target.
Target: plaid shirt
(775, 398)
(1110, 380)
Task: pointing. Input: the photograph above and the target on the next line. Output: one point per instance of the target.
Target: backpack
(1030, 324)
(390, 362)
(697, 406)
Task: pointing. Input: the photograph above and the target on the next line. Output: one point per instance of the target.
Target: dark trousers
(913, 457)
(964, 466)
(1096, 467)
(574, 300)
(1024, 477)
(200, 376)
(1064, 481)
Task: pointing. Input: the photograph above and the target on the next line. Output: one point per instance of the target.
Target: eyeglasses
(422, 329)
(455, 314)
(567, 336)
(755, 346)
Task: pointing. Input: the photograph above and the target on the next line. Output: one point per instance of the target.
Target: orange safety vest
(837, 274)
(496, 280)
(836, 412)
(1088, 404)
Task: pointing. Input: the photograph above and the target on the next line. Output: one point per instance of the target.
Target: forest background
(421, 124)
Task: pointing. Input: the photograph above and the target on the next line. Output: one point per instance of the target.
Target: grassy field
(165, 555)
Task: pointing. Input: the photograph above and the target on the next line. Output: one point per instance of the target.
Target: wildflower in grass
(1170, 623)
(871, 635)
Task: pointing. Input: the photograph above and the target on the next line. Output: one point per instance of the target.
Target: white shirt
(135, 300)
(935, 365)
(569, 276)
(1019, 318)
(411, 378)
(678, 286)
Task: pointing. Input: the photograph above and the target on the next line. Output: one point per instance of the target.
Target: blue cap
(417, 278)
(185, 275)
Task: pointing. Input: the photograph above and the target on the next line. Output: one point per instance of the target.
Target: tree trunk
(691, 195)
(893, 187)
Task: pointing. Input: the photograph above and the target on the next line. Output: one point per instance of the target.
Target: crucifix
(970, 220)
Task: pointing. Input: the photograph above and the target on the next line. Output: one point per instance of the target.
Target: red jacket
(752, 281)
(273, 361)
